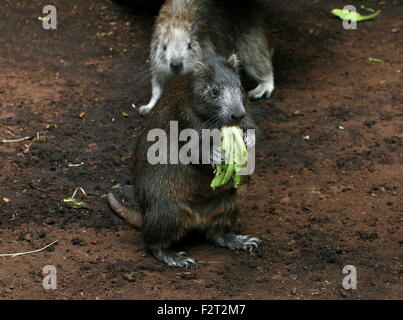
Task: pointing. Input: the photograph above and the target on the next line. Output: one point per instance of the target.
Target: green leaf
(75, 203)
(353, 16)
(375, 60)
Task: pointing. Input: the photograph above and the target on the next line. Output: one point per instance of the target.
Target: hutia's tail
(129, 215)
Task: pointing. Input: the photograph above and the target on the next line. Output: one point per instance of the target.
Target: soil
(327, 191)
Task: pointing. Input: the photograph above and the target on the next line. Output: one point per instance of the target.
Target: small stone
(78, 241)
(343, 293)
(294, 291)
(272, 211)
(50, 221)
(285, 200)
(41, 235)
(369, 123)
(315, 292)
(8, 290)
(130, 277)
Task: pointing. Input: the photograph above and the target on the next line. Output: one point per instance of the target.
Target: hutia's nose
(238, 115)
(176, 66)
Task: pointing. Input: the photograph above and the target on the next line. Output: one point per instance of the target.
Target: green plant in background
(353, 16)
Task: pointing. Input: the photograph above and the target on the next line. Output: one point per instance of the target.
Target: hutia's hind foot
(174, 259)
(144, 110)
(236, 242)
(263, 90)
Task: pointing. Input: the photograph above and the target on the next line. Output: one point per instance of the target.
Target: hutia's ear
(202, 69)
(193, 27)
(234, 62)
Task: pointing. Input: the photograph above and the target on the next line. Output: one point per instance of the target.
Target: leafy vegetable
(235, 158)
(353, 16)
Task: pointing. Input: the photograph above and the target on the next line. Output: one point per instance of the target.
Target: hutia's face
(179, 49)
(223, 97)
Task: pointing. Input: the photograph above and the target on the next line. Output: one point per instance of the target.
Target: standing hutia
(173, 199)
(235, 157)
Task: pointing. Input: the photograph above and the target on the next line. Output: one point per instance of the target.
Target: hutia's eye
(190, 46)
(215, 92)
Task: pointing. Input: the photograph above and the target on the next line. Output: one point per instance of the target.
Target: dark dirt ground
(318, 204)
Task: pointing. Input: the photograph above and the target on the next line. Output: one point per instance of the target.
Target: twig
(72, 165)
(15, 140)
(209, 262)
(27, 252)
(75, 191)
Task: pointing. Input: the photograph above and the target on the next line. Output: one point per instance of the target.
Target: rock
(285, 200)
(8, 290)
(261, 280)
(78, 241)
(315, 292)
